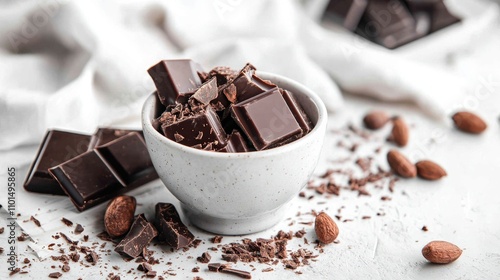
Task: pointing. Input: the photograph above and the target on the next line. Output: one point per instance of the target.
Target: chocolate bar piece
(388, 23)
(266, 120)
(435, 11)
(175, 80)
(106, 171)
(247, 85)
(129, 158)
(106, 135)
(200, 129)
(56, 148)
(235, 144)
(172, 231)
(297, 111)
(207, 92)
(139, 236)
(346, 12)
(87, 180)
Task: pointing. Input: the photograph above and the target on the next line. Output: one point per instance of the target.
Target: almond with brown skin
(429, 170)
(119, 215)
(326, 229)
(441, 252)
(400, 132)
(375, 119)
(469, 122)
(401, 165)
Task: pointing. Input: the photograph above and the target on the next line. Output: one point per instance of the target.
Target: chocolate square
(201, 129)
(56, 148)
(175, 80)
(105, 135)
(87, 180)
(266, 120)
(129, 157)
(248, 85)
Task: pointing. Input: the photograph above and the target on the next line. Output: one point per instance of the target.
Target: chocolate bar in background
(106, 171)
(347, 13)
(175, 80)
(56, 148)
(390, 23)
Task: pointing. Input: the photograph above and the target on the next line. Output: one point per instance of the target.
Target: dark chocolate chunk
(206, 92)
(66, 222)
(188, 129)
(240, 273)
(55, 275)
(172, 231)
(248, 85)
(175, 80)
(79, 229)
(106, 135)
(297, 111)
(87, 180)
(56, 148)
(266, 120)
(235, 144)
(215, 267)
(388, 23)
(129, 157)
(346, 12)
(140, 235)
(204, 258)
(36, 221)
(92, 257)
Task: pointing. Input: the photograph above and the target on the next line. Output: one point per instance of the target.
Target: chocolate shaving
(34, 220)
(67, 222)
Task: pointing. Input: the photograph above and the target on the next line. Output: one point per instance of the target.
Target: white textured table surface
(463, 208)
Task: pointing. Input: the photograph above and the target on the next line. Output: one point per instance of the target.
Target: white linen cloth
(81, 64)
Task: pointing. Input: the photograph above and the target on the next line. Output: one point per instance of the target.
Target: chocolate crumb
(366, 217)
(195, 269)
(424, 228)
(216, 239)
(85, 238)
(92, 257)
(55, 275)
(65, 268)
(16, 270)
(79, 229)
(67, 222)
(204, 258)
(178, 137)
(269, 269)
(34, 220)
(1, 250)
(26, 260)
(22, 237)
(1, 230)
(197, 278)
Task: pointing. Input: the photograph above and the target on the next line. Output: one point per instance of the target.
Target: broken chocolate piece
(140, 235)
(235, 144)
(266, 120)
(56, 148)
(207, 92)
(172, 231)
(297, 111)
(79, 229)
(248, 85)
(175, 80)
(207, 122)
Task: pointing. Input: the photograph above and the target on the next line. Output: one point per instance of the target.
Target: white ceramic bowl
(238, 193)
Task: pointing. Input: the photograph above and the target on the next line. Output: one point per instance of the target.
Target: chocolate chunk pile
(90, 169)
(224, 110)
(390, 23)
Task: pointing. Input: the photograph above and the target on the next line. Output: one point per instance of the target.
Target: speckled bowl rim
(315, 132)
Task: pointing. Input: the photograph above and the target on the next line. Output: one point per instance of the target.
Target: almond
(375, 119)
(469, 122)
(429, 170)
(441, 252)
(119, 215)
(400, 132)
(401, 165)
(326, 229)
